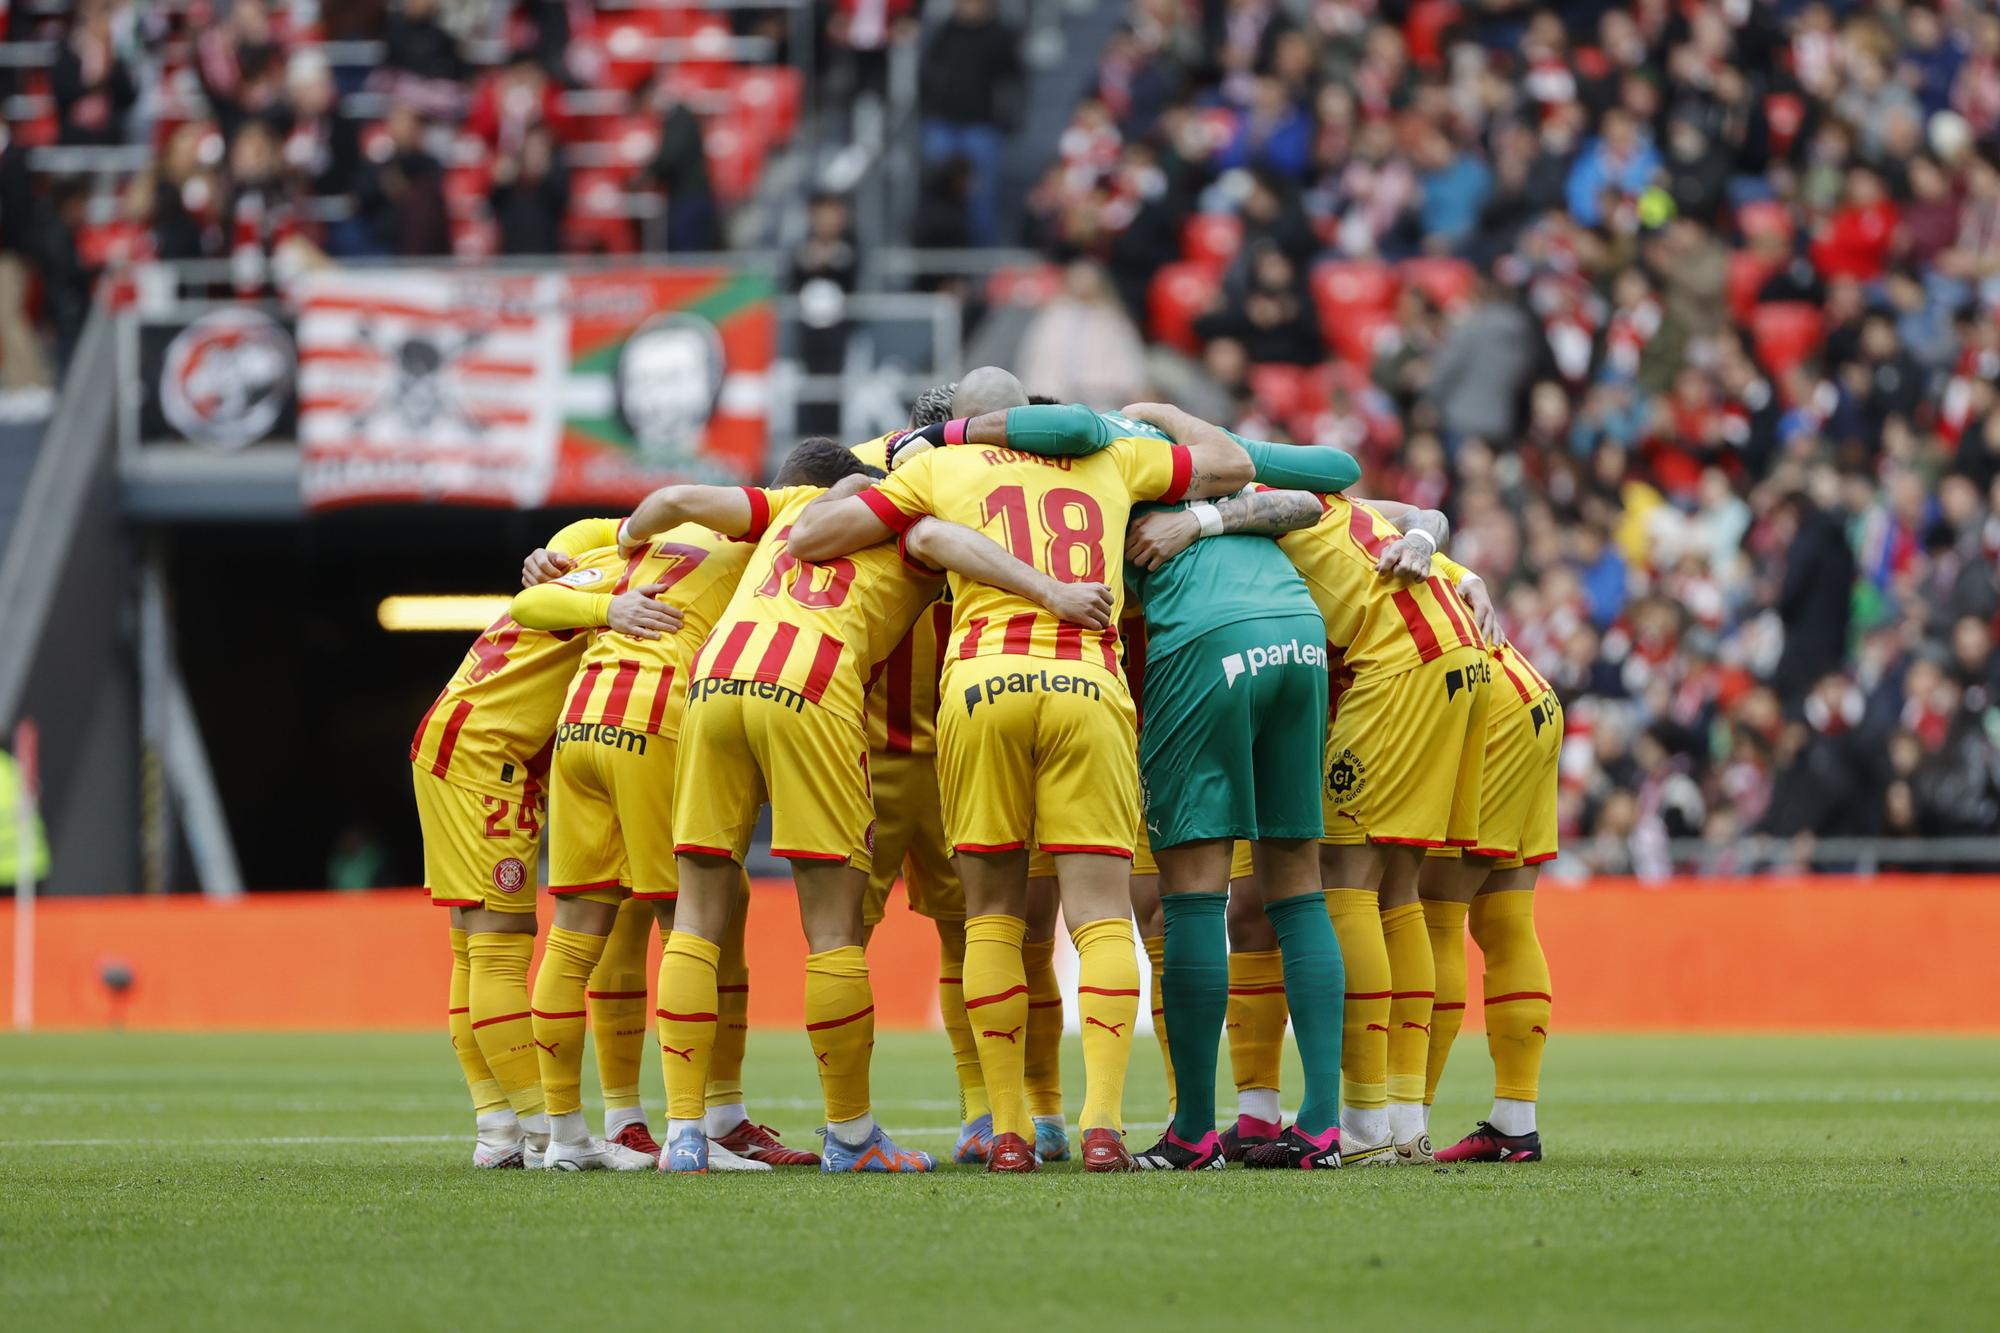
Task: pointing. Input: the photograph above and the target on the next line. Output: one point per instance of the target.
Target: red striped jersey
(491, 728)
(1064, 516)
(641, 684)
(1379, 625)
(903, 701)
(1522, 681)
(815, 631)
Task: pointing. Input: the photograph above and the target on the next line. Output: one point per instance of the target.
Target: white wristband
(625, 531)
(1209, 518)
(1419, 532)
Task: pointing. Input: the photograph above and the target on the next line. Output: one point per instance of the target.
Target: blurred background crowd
(1684, 310)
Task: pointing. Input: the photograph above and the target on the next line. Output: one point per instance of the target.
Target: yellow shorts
(739, 748)
(1517, 802)
(909, 839)
(479, 850)
(1037, 751)
(611, 813)
(1241, 866)
(1405, 753)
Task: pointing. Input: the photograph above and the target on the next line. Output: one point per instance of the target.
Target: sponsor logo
(752, 689)
(1346, 777)
(687, 1055)
(1479, 673)
(581, 578)
(601, 733)
(1545, 711)
(1029, 682)
(1115, 1029)
(1011, 1034)
(1254, 660)
(509, 874)
(869, 837)
(227, 378)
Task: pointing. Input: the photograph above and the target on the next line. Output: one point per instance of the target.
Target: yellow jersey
(1374, 623)
(1065, 516)
(812, 631)
(1527, 683)
(641, 684)
(903, 700)
(491, 728)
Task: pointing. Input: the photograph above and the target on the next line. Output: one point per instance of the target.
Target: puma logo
(1544, 1031)
(687, 1055)
(1115, 1029)
(550, 1047)
(1011, 1034)
(1376, 1027)
(1421, 1027)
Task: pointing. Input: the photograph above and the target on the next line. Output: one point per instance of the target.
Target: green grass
(221, 1182)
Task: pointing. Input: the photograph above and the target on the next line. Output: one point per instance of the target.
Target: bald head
(987, 389)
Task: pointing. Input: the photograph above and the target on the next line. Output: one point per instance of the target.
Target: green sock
(1315, 987)
(1194, 982)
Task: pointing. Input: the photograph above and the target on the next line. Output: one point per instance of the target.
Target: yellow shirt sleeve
(905, 495)
(552, 606)
(586, 534)
(1450, 568)
(1153, 469)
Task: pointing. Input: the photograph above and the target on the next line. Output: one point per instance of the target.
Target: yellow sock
(1517, 991)
(502, 1020)
(1412, 988)
(479, 1080)
(1107, 999)
(972, 1101)
(687, 1021)
(840, 1020)
(1446, 924)
(996, 1005)
(560, 981)
(1042, 1063)
(618, 1004)
(732, 1009)
(1256, 1023)
(1156, 955)
(1364, 1039)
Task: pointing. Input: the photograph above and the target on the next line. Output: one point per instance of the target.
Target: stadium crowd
(1683, 312)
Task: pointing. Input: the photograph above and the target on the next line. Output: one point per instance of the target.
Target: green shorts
(1234, 733)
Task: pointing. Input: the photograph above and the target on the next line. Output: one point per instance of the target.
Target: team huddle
(1034, 662)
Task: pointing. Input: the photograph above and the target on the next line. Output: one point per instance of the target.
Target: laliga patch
(509, 875)
(581, 578)
(868, 838)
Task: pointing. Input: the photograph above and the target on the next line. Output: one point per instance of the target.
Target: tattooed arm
(1161, 534)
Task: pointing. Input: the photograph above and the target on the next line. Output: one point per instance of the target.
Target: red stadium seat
(1181, 293)
(1024, 285)
(735, 158)
(1748, 272)
(1353, 335)
(1765, 217)
(1212, 239)
(1280, 390)
(768, 96)
(1786, 333)
(1445, 280)
(1424, 30)
(1340, 287)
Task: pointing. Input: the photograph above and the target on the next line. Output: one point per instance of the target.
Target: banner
(221, 380)
(529, 389)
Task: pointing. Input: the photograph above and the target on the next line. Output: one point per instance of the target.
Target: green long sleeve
(1060, 431)
(1321, 468)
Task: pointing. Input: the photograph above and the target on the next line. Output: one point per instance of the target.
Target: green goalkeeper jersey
(1216, 581)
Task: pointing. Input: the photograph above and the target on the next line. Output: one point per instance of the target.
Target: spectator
(1272, 316)
(513, 100)
(1856, 240)
(1486, 361)
(185, 196)
(530, 196)
(421, 62)
(67, 277)
(241, 65)
(1273, 134)
(679, 166)
(23, 364)
(1455, 186)
(1813, 595)
(322, 147)
(94, 90)
(1614, 169)
(1081, 347)
(970, 85)
(405, 194)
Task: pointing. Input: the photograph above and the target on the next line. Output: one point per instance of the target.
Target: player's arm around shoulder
(1159, 535)
(558, 557)
(579, 600)
(855, 512)
(1425, 533)
(733, 511)
(942, 545)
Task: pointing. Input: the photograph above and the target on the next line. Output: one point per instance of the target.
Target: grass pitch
(223, 1182)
